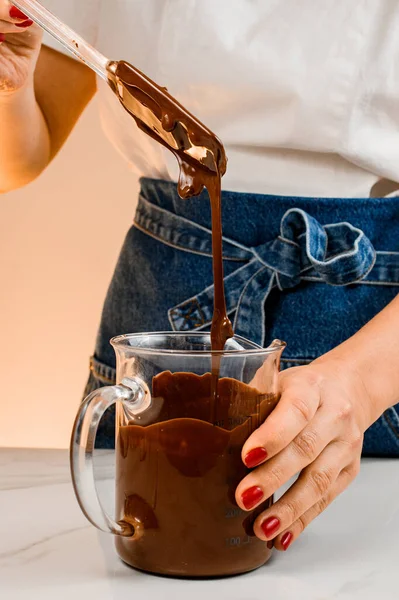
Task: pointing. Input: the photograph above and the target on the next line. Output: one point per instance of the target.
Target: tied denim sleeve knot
(340, 254)
(337, 254)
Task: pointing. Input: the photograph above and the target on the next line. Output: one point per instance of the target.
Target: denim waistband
(299, 244)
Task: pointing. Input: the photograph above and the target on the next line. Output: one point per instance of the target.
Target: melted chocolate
(202, 161)
(177, 480)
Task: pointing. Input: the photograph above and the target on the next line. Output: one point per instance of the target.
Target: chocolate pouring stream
(200, 155)
(176, 478)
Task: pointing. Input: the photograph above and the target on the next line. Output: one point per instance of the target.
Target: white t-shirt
(304, 94)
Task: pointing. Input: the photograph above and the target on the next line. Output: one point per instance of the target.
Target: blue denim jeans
(310, 271)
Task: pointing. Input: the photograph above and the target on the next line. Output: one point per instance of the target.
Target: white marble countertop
(49, 551)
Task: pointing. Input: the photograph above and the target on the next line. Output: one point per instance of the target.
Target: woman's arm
(317, 428)
(63, 89)
(373, 353)
(42, 94)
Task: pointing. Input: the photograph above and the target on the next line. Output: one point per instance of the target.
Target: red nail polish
(251, 497)
(270, 526)
(23, 25)
(286, 540)
(255, 457)
(15, 13)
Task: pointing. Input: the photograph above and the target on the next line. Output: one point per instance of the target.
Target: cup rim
(122, 341)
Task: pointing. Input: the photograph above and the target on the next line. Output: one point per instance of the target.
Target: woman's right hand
(20, 42)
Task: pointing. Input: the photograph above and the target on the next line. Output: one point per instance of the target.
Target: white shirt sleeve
(82, 17)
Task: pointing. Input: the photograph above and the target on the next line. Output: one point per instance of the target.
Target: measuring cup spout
(266, 376)
(278, 347)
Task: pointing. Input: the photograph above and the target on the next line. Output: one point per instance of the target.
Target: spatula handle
(64, 35)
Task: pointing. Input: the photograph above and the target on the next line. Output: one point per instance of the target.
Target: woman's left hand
(316, 429)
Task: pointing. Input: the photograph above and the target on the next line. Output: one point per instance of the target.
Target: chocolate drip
(201, 157)
(176, 478)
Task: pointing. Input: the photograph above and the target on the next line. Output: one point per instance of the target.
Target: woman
(303, 95)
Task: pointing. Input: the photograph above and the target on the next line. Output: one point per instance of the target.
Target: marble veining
(48, 550)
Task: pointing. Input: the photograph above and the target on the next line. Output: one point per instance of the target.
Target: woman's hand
(20, 42)
(42, 94)
(316, 429)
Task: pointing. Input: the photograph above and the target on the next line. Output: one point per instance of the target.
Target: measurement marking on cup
(247, 540)
(230, 513)
(236, 421)
(235, 542)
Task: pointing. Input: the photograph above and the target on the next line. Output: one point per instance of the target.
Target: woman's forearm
(25, 147)
(373, 353)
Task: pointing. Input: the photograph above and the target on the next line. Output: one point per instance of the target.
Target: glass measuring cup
(178, 452)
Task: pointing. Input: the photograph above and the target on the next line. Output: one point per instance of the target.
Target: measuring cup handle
(82, 445)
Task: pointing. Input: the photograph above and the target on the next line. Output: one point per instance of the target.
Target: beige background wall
(59, 240)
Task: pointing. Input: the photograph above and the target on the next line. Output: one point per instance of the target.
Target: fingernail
(15, 13)
(251, 497)
(2, 38)
(270, 526)
(255, 457)
(23, 25)
(286, 540)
